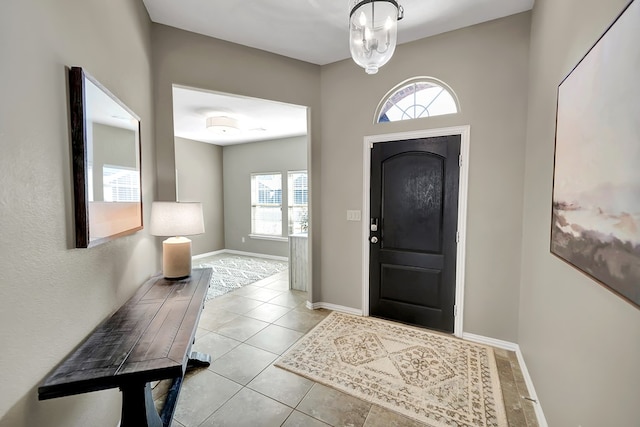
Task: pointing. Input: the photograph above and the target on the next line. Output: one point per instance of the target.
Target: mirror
(105, 142)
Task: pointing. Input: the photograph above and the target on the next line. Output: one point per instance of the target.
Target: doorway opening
(248, 160)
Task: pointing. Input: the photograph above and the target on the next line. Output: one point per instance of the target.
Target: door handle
(374, 240)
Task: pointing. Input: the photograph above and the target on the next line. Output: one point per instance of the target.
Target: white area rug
(433, 378)
(231, 271)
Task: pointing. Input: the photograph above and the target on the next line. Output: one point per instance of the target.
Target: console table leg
(198, 360)
(138, 409)
(171, 401)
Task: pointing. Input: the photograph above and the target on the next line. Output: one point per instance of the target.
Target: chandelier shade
(373, 32)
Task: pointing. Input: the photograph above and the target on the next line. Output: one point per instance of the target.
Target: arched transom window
(416, 98)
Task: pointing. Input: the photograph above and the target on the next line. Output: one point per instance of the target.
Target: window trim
(417, 79)
(269, 237)
(290, 204)
(252, 205)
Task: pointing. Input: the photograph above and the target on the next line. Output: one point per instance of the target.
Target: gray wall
(199, 167)
(240, 161)
(53, 295)
(184, 58)
(486, 65)
(581, 342)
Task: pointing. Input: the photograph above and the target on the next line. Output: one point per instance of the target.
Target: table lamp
(176, 219)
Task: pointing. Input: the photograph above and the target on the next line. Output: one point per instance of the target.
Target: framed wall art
(596, 185)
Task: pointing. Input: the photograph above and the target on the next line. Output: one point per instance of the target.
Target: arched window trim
(419, 79)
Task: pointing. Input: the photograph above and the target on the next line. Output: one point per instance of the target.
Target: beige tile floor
(245, 331)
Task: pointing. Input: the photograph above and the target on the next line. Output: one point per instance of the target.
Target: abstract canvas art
(596, 187)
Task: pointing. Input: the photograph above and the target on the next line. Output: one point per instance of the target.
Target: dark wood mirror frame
(97, 222)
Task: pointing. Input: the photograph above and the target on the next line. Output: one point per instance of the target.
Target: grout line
(368, 414)
(286, 419)
(225, 402)
(277, 355)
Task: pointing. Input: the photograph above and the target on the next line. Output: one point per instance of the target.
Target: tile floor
(245, 331)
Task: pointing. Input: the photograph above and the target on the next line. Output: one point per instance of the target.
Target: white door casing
(464, 132)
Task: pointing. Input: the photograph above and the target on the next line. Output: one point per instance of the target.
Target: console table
(148, 339)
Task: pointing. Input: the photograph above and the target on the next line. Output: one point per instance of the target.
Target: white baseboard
(334, 307)
(279, 258)
(208, 254)
(506, 345)
(234, 252)
(480, 339)
(542, 421)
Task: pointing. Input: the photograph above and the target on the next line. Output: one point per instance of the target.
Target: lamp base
(176, 258)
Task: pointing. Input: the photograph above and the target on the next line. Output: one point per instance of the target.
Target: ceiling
(314, 31)
(258, 119)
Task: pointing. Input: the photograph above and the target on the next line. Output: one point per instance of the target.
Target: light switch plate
(353, 215)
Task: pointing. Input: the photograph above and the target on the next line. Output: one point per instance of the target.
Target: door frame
(464, 132)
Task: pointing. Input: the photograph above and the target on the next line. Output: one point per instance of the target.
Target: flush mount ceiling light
(373, 31)
(223, 125)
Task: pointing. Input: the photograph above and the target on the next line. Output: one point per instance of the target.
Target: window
(298, 198)
(416, 98)
(120, 184)
(90, 181)
(266, 204)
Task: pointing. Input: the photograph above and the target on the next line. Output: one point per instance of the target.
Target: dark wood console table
(148, 339)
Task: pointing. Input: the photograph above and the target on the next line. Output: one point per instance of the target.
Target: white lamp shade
(176, 219)
(373, 31)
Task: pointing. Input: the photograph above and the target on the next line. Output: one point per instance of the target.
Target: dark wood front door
(414, 216)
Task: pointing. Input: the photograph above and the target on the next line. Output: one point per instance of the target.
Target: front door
(414, 216)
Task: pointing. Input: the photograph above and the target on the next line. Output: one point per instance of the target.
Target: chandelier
(373, 31)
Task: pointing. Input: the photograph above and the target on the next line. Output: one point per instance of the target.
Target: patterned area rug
(432, 378)
(235, 271)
